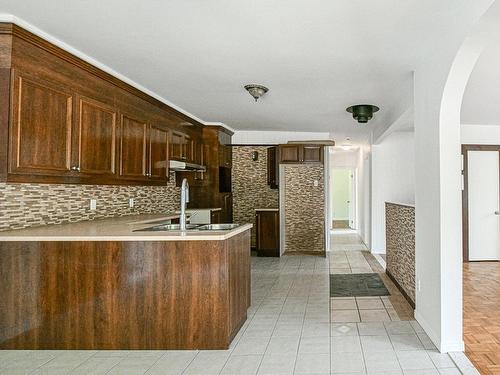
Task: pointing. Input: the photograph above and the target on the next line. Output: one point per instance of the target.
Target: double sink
(189, 227)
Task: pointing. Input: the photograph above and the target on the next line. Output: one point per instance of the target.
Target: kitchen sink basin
(167, 228)
(218, 227)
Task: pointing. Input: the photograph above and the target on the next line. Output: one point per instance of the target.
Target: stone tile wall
(304, 209)
(27, 205)
(250, 188)
(400, 245)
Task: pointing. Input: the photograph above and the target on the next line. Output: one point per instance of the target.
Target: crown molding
(10, 24)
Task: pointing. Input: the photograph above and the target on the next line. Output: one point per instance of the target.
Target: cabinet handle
(148, 174)
(75, 168)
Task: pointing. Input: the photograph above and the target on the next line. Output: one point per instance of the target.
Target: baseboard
(443, 347)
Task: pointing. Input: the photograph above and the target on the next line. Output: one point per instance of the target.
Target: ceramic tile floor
(289, 331)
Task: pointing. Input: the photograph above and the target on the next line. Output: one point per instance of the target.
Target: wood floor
(482, 315)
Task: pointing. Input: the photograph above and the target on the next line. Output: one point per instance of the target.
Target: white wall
(364, 194)
(393, 180)
(275, 137)
(480, 134)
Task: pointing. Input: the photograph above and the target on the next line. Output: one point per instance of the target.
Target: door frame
(465, 192)
(353, 205)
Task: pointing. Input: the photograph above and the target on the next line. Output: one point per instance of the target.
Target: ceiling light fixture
(362, 112)
(256, 90)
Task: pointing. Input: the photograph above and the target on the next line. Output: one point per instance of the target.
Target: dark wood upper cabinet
(66, 121)
(133, 148)
(158, 153)
(267, 233)
(301, 153)
(312, 154)
(272, 167)
(290, 153)
(182, 147)
(94, 151)
(42, 119)
(176, 146)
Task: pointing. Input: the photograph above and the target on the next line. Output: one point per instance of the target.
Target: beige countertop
(116, 229)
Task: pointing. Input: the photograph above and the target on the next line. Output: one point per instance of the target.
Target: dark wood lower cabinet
(267, 233)
(123, 295)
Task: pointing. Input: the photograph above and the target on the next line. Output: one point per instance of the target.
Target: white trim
(4, 17)
(443, 347)
(380, 260)
(326, 191)
(282, 207)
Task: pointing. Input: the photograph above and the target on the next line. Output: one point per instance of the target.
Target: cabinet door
(133, 142)
(312, 154)
(181, 147)
(176, 146)
(267, 233)
(290, 153)
(158, 153)
(188, 153)
(95, 141)
(41, 126)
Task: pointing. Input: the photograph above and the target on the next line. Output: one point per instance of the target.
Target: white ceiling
(317, 57)
(482, 94)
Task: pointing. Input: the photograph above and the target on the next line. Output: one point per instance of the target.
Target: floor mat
(357, 285)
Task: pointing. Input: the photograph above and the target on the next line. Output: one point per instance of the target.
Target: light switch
(131, 202)
(93, 204)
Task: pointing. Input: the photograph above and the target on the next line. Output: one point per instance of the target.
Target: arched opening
(440, 84)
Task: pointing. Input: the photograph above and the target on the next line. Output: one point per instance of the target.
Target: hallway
(346, 240)
(482, 315)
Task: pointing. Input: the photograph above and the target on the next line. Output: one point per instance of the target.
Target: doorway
(343, 198)
(481, 203)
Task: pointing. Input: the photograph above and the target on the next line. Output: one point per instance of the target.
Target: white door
(352, 202)
(484, 205)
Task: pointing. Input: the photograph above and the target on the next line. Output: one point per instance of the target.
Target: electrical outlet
(131, 202)
(93, 204)
(316, 183)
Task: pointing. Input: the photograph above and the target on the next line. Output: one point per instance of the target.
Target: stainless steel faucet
(184, 200)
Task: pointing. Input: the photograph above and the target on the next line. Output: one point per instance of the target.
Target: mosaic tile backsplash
(304, 208)
(400, 245)
(27, 205)
(250, 189)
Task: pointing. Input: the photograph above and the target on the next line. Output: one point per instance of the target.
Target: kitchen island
(106, 284)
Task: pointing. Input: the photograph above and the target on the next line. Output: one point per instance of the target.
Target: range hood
(175, 165)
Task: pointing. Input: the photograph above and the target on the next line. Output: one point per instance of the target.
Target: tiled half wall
(400, 246)
(250, 188)
(26, 205)
(304, 208)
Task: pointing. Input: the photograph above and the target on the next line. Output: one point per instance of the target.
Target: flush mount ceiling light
(256, 90)
(362, 112)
